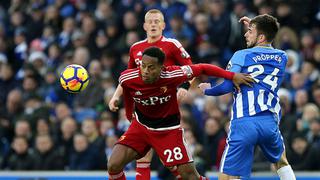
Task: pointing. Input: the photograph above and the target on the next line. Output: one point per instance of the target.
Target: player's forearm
(211, 70)
(118, 92)
(220, 89)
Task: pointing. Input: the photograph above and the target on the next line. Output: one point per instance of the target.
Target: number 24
(256, 70)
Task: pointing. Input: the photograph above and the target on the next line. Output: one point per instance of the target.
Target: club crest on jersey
(138, 93)
(163, 89)
(139, 53)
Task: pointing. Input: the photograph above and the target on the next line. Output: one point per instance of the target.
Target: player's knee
(114, 166)
(282, 162)
(188, 171)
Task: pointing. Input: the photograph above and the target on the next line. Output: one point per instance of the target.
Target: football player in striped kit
(256, 110)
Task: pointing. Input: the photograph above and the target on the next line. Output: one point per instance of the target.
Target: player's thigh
(238, 154)
(120, 156)
(170, 146)
(147, 157)
(271, 141)
(136, 138)
(188, 171)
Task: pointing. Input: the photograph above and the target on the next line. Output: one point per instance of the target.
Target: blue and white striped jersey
(267, 66)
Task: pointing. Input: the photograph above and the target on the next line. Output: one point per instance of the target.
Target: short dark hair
(155, 52)
(267, 25)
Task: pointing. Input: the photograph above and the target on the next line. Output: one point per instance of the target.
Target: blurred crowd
(42, 127)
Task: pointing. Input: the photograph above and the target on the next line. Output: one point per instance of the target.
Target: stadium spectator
(20, 158)
(83, 156)
(47, 157)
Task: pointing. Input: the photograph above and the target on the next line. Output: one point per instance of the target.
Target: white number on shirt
(177, 155)
(270, 79)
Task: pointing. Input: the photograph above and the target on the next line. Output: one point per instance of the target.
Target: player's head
(262, 29)
(154, 23)
(151, 64)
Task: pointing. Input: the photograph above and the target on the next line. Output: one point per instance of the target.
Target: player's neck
(153, 39)
(264, 44)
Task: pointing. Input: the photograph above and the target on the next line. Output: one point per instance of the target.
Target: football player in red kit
(175, 55)
(150, 94)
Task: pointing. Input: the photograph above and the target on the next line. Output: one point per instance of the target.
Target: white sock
(286, 173)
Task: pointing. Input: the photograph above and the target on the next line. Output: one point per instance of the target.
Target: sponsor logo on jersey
(153, 100)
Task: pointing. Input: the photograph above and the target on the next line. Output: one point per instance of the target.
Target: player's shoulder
(279, 51)
(139, 43)
(171, 41)
(243, 52)
(240, 55)
(129, 74)
(171, 71)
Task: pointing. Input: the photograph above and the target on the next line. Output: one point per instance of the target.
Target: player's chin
(154, 34)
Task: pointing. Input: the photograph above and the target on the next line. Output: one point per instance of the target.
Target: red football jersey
(175, 53)
(156, 104)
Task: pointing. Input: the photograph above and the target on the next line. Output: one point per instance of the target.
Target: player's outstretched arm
(114, 101)
(223, 88)
(212, 70)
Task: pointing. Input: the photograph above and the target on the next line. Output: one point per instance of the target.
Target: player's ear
(164, 25)
(145, 26)
(262, 37)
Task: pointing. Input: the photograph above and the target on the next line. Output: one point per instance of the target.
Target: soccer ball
(74, 78)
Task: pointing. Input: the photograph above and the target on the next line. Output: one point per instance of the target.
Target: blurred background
(42, 127)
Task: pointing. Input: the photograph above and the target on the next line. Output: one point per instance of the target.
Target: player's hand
(114, 104)
(240, 78)
(181, 94)
(245, 20)
(204, 86)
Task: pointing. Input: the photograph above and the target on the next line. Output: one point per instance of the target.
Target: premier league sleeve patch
(229, 66)
(187, 71)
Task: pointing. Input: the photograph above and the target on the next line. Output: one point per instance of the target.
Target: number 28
(173, 154)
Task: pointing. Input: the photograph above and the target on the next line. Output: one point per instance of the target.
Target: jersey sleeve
(236, 62)
(128, 103)
(131, 62)
(226, 86)
(207, 69)
(181, 56)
